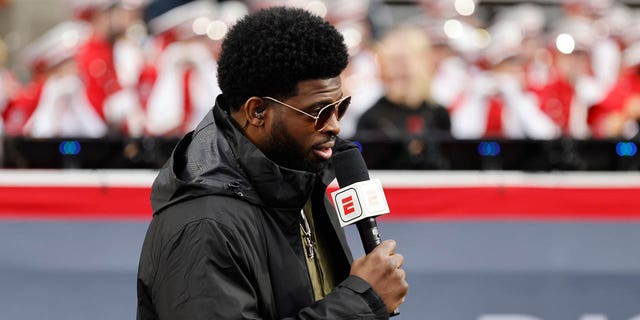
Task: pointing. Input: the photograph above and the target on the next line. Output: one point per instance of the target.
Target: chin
(315, 166)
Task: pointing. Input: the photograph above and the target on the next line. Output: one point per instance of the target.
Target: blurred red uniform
(57, 103)
(623, 101)
(495, 102)
(185, 85)
(95, 62)
(574, 86)
(567, 98)
(9, 85)
(112, 91)
(20, 108)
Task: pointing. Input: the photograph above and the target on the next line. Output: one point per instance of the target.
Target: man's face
(294, 142)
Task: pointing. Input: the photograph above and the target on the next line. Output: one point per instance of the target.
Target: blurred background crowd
(463, 69)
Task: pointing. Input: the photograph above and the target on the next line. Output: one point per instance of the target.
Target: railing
(413, 154)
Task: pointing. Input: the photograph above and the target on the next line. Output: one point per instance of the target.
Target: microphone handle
(369, 234)
(370, 237)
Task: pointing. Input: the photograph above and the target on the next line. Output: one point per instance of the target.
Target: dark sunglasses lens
(324, 116)
(326, 113)
(342, 107)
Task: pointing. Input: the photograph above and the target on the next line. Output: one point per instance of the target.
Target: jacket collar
(216, 158)
(276, 186)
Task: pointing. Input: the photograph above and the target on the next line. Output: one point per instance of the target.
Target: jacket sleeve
(352, 299)
(201, 277)
(204, 275)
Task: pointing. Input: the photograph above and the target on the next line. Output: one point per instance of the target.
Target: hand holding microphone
(382, 270)
(358, 201)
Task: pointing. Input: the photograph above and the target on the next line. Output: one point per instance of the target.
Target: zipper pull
(309, 248)
(306, 236)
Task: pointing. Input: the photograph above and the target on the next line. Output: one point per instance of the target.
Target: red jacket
(96, 66)
(22, 106)
(555, 101)
(628, 85)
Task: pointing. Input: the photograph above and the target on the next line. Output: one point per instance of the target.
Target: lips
(325, 145)
(324, 150)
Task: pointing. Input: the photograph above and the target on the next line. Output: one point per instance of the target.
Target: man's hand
(382, 270)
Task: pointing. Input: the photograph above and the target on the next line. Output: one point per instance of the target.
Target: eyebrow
(323, 103)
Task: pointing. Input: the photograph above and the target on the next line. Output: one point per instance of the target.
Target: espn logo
(374, 201)
(348, 205)
(360, 200)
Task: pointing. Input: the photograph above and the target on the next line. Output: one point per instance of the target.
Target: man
(406, 112)
(186, 84)
(572, 88)
(242, 227)
(618, 115)
(54, 103)
(9, 84)
(111, 92)
(10, 88)
(62, 108)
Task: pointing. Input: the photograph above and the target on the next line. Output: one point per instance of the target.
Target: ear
(254, 111)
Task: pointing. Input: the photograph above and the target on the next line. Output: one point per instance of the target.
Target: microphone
(360, 199)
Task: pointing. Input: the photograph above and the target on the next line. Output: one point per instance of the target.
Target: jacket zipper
(309, 245)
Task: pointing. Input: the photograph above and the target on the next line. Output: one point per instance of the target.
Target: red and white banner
(411, 195)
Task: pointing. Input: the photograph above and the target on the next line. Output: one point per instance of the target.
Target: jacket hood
(217, 159)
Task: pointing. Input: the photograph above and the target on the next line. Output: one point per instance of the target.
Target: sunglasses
(338, 108)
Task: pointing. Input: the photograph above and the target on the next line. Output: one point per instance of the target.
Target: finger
(387, 247)
(400, 258)
(393, 263)
(390, 265)
(402, 275)
(405, 288)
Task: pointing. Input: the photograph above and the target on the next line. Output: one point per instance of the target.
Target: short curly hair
(269, 52)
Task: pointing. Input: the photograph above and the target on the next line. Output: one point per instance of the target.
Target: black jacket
(410, 136)
(387, 120)
(224, 241)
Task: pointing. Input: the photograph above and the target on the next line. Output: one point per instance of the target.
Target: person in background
(361, 79)
(186, 84)
(452, 54)
(115, 100)
(242, 226)
(537, 58)
(406, 112)
(618, 115)
(129, 57)
(21, 106)
(62, 109)
(572, 88)
(606, 24)
(496, 103)
(9, 85)
(452, 62)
